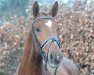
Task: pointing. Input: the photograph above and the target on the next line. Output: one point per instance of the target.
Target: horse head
(45, 33)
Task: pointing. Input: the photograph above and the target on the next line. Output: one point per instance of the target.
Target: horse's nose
(54, 55)
(56, 58)
(55, 52)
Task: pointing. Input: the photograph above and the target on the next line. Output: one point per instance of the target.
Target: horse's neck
(34, 65)
(30, 63)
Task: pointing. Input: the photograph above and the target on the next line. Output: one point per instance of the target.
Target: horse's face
(45, 28)
(46, 31)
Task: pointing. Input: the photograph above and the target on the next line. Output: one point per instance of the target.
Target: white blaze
(49, 23)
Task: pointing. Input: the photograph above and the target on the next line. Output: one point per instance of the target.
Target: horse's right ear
(54, 9)
(35, 9)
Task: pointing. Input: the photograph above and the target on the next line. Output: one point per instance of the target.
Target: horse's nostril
(59, 57)
(55, 58)
(51, 56)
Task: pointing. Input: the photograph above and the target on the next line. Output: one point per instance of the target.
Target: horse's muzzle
(54, 56)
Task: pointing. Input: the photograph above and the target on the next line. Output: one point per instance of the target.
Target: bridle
(48, 39)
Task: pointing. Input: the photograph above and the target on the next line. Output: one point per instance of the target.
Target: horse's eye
(37, 29)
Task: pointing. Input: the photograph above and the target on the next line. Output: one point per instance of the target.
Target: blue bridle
(48, 39)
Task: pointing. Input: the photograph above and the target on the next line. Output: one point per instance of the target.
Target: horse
(42, 54)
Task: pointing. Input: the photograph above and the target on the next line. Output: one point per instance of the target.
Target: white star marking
(49, 23)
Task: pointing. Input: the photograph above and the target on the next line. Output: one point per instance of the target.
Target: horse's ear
(35, 9)
(54, 9)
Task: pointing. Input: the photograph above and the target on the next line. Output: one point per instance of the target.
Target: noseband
(48, 39)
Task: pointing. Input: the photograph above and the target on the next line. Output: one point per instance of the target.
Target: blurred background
(75, 20)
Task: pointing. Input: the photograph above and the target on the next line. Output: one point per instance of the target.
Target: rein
(47, 40)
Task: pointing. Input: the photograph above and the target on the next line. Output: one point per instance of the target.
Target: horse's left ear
(35, 9)
(54, 9)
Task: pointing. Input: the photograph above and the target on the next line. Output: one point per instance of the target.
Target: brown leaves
(12, 38)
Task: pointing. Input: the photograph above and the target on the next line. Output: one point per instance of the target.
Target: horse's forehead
(49, 23)
(46, 22)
